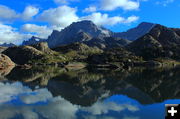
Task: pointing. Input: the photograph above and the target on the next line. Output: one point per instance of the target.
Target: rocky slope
(119, 57)
(2, 49)
(5, 61)
(39, 53)
(159, 42)
(77, 51)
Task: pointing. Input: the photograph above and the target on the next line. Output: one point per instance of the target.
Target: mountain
(137, 32)
(91, 34)
(159, 42)
(7, 45)
(77, 32)
(33, 40)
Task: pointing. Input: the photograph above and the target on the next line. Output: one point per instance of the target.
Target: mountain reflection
(56, 93)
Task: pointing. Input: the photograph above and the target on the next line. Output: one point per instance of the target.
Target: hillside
(159, 42)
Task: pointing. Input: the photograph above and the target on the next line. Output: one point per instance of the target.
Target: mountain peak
(77, 32)
(85, 22)
(137, 32)
(146, 23)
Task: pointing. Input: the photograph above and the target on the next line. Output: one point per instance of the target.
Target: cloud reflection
(16, 99)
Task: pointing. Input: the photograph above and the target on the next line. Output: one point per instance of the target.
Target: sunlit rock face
(2, 49)
(5, 61)
(6, 65)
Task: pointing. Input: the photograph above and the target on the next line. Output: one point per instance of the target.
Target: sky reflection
(18, 101)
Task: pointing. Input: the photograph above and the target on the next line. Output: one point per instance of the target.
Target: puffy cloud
(29, 12)
(90, 9)
(9, 34)
(40, 31)
(8, 91)
(100, 108)
(114, 4)
(61, 16)
(131, 19)
(104, 19)
(7, 14)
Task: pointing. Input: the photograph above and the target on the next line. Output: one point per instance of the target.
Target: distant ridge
(7, 45)
(137, 32)
(33, 40)
(87, 32)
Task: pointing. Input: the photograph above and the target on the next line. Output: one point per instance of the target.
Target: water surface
(55, 93)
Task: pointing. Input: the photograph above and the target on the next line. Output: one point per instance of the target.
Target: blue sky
(20, 19)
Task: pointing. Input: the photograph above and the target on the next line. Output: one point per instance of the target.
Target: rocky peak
(42, 46)
(137, 32)
(77, 32)
(33, 40)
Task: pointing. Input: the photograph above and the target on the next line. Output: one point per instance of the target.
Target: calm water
(54, 93)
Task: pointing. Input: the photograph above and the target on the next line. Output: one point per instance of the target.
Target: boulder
(5, 61)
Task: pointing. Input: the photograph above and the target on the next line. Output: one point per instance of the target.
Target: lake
(56, 93)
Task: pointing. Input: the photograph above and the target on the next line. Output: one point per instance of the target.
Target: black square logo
(172, 111)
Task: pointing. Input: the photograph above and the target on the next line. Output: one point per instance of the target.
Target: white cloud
(114, 4)
(61, 16)
(104, 19)
(90, 9)
(9, 34)
(100, 108)
(8, 91)
(29, 12)
(131, 19)
(7, 14)
(39, 31)
(165, 2)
